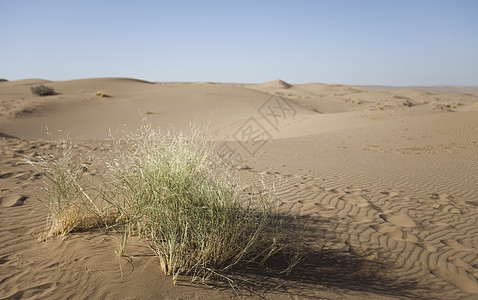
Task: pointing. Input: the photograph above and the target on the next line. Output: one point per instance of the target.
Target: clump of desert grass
(170, 188)
(42, 90)
(66, 190)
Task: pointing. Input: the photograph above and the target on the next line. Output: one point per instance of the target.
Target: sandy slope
(384, 177)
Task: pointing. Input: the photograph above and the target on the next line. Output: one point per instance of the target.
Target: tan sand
(386, 179)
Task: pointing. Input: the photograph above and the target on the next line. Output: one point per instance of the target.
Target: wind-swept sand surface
(386, 180)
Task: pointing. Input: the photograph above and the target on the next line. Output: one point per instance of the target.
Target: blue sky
(388, 42)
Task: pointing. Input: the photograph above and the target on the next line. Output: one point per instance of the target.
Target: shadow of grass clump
(322, 269)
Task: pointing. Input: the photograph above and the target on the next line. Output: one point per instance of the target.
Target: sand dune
(384, 177)
(275, 84)
(441, 89)
(129, 103)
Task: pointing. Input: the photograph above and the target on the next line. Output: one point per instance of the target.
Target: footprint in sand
(447, 203)
(395, 233)
(427, 246)
(391, 193)
(12, 200)
(401, 235)
(398, 219)
(360, 219)
(355, 200)
(458, 200)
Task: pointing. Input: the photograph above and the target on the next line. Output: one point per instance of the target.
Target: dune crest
(275, 84)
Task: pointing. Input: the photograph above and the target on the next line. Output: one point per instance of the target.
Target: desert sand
(385, 178)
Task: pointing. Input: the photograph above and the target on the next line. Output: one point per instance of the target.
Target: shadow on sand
(324, 270)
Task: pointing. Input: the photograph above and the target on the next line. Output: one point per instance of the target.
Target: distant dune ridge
(276, 84)
(384, 176)
(440, 89)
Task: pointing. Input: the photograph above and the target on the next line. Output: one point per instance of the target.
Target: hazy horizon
(371, 86)
(392, 43)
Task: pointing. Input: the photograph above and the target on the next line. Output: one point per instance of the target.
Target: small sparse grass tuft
(351, 100)
(102, 94)
(70, 207)
(42, 90)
